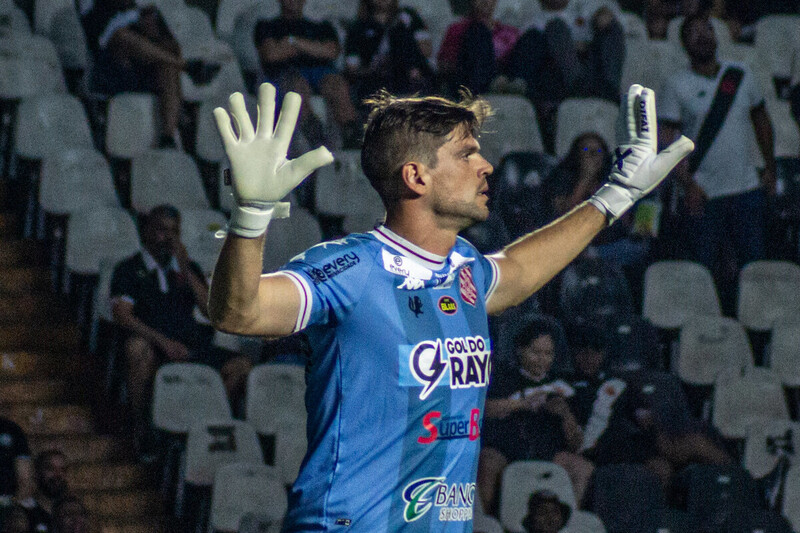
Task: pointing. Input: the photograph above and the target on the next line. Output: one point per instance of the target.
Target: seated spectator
(154, 294)
(298, 54)
(582, 171)
(475, 50)
(70, 516)
(16, 473)
(50, 468)
(388, 48)
(546, 513)
(528, 417)
(134, 51)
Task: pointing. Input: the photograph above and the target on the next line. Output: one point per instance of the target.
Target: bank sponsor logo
(447, 305)
(334, 268)
(460, 362)
(453, 500)
(450, 427)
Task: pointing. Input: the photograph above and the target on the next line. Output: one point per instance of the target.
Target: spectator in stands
(298, 54)
(154, 294)
(546, 513)
(16, 472)
(528, 416)
(388, 47)
(50, 468)
(724, 197)
(70, 516)
(475, 50)
(134, 51)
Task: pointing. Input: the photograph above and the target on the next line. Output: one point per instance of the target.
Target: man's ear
(415, 177)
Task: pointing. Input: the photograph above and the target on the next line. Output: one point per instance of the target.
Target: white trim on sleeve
(118, 21)
(306, 298)
(495, 278)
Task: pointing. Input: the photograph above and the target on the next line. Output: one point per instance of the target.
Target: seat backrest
(343, 189)
(650, 63)
(523, 478)
(518, 193)
(768, 290)
(50, 124)
(791, 497)
(199, 228)
(632, 343)
(15, 19)
(766, 441)
(710, 344)
(289, 237)
(784, 355)
(775, 40)
(208, 143)
(69, 39)
(333, 11)
(584, 522)
(242, 488)
(627, 497)
(785, 130)
(275, 394)
(45, 10)
(166, 176)
(131, 125)
(185, 393)
(513, 127)
(213, 442)
(97, 234)
(718, 495)
(635, 30)
(22, 77)
(229, 10)
(290, 449)
(742, 397)
(30, 46)
(76, 179)
(661, 393)
(676, 290)
(581, 115)
(594, 291)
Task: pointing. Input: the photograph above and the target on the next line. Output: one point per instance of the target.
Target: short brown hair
(401, 129)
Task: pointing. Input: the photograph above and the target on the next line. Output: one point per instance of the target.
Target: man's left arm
(193, 278)
(765, 138)
(527, 264)
(325, 47)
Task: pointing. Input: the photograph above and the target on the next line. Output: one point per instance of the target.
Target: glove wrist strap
(251, 221)
(612, 200)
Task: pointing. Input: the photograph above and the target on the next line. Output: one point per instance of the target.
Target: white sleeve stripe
(304, 313)
(495, 278)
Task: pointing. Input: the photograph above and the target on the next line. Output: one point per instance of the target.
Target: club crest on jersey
(465, 361)
(466, 286)
(454, 500)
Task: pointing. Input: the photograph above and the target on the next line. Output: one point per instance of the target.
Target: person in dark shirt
(388, 47)
(70, 516)
(298, 54)
(546, 513)
(16, 474)
(528, 416)
(50, 468)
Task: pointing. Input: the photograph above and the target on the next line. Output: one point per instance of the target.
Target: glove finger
(672, 155)
(287, 121)
(266, 111)
(646, 121)
(626, 123)
(225, 128)
(307, 163)
(239, 112)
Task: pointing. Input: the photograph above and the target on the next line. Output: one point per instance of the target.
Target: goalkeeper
(397, 317)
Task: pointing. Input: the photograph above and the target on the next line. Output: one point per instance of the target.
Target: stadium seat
(49, 124)
(335, 11)
(275, 394)
(718, 497)
(676, 290)
(776, 42)
(16, 22)
(208, 145)
(584, 522)
(517, 13)
(199, 229)
(650, 63)
(192, 29)
(101, 311)
(241, 40)
(131, 125)
(744, 396)
(517, 193)
(343, 190)
(768, 291)
(289, 237)
(242, 488)
(710, 344)
(661, 393)
(213, 442)
(45, 10)
(627, 497)
(787, 135)
(523, 478)
(97, 234)
(635, 31)
(632, 343)
(290, 449)
(228, 80)
(581, 115)
(166, 176)
(437, 16)
(30, 46)
(785, 350)
(482, 523)
(187, 393)
(229, 10)
(791, 497)
(594, 292)
(768, 440)
(76, 179)
(24, 77)
(512, 128)
(69, 39)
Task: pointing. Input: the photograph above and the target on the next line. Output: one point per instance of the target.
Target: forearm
(200, 291)
(765, 138)
(573, 434)
(139, 328)
(128, 42)
(272, 51)
(319, 50)
(233, 298)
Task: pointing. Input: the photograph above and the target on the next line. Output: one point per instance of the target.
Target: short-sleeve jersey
(278, 28)
(395, 385)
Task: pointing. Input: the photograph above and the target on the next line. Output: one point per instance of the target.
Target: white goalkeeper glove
(638, 168)
(261, 174)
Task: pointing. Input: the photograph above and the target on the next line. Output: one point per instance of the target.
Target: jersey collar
(408, 249)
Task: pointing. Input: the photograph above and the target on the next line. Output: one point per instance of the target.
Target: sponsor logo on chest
(461, 363)
(453, 500)
(450, 427)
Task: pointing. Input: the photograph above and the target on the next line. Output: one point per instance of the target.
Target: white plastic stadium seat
(290, 236)
(75, 179)
(745, 396)
(49, 124)
(766, 440)
(229, 10)
(784, 355)
(787, 135)
(244, 26)
(584, 522)
(581, 115)
(334, 11)
(791, 497)
(16, 20)
(24, 77)
(768, 291)
(192, 29)
(523, 478)
(676, 290)
(342, 189)
(710, 344)
(166, 177)
(199, 229)
(213, 442)
(45, 10)
(97, 234)
(242, 488)
(482, 523)
(512, 128)
(777, 40)
(650, 63)
(30, 46)
(69, 39)
(635, 31)
(208, 145)
(437, 16)
(101, 303)
(275, 394)
(131, 125)
(185, 393)
(227, 81)
(290, 449)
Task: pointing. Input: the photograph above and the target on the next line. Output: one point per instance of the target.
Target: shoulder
(321, 263)
(129, 265)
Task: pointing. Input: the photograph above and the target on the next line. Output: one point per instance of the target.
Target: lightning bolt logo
(427, 366)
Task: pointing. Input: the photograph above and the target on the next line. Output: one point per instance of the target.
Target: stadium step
(51, 419)
(20, 252)
(116, 525)
(127, 504)
(16, 280)
(8, 223)
(39, 336)
(84, 448)
(32, 307)
(39, 391)
(86, 477)
(18, 365)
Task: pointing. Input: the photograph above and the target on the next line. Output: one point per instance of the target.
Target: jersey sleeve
(124, 283)
(491, 275)
(330, 279)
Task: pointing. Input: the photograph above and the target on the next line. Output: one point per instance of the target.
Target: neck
(288, 15)
(708, 68)
(421, 229)
(382, 16)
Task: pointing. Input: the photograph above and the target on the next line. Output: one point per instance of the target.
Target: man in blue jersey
(397, 317)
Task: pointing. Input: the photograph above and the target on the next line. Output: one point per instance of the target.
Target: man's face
(700, 42)
(547, 518)
(459, 187)
(160, 236)
(537, 357)
(588, 361)
(51, 479)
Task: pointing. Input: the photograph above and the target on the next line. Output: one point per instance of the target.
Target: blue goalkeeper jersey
(395, 386)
